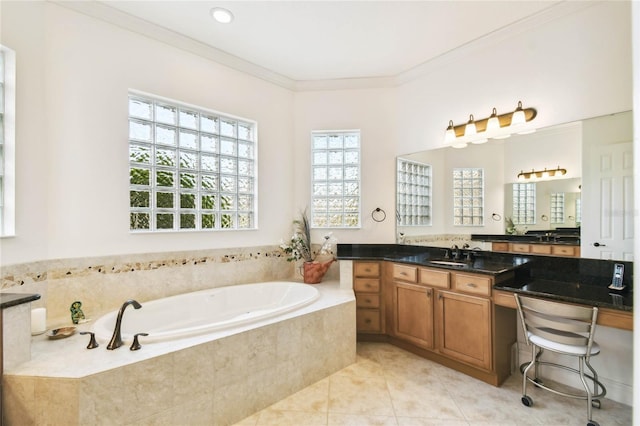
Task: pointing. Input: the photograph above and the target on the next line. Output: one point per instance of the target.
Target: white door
(607, 203)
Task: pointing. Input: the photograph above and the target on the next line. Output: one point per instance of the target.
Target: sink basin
(449, 263)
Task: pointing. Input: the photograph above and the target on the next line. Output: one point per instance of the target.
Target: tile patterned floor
(389, 386)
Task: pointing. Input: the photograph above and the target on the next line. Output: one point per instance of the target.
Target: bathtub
(204, 311)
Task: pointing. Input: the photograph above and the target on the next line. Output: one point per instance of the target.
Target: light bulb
(518, 118)
(450, 133)
(470, 128)
(493, 123)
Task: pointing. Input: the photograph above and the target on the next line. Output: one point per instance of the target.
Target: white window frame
(413, 204)
(468, 198)
(8, 143)
(323, 215)
(213, 189)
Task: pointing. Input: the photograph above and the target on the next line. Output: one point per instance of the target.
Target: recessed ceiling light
(221, 15)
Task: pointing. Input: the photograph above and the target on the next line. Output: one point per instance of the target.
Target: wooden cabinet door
(413, 314)
(464, 328)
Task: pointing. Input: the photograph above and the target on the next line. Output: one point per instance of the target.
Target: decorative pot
(313, 272)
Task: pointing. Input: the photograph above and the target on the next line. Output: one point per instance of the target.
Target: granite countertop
(8, 300)
(575, 292)
(574, 280)
(434, 257)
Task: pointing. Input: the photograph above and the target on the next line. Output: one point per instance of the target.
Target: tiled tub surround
(217, 378)
(103, 283)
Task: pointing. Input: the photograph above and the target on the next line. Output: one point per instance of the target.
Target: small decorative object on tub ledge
(76, 312)
(315, 265)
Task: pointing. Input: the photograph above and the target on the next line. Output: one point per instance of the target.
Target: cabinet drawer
(474, 284)
(563, 250)
(405, 273)
(434, 278)
(367, 285)
(366, 269)
(519, 248)
(540, 248)
(500, 246)
(367, 300)
(504, 298)
(368, 320)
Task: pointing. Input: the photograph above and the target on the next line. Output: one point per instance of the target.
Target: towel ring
(544, 217)
(378, 215)
(496, 217)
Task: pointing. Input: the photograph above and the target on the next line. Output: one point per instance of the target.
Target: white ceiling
(328, 40)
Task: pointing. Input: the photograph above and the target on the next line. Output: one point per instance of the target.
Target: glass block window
(578, 211)
(557, 207)
(524, 203)
(335, 179)
(468, 197)
(189, 168)
(413, 193)
(7, 140)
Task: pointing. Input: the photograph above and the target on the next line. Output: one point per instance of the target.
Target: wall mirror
(568, 146)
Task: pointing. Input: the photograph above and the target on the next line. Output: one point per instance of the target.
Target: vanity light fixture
(221, 15)
(541, 174)
(494, 127)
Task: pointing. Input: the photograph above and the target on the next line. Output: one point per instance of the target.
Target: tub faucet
(116, 339)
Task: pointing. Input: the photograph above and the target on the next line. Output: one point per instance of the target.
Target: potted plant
(299, 248)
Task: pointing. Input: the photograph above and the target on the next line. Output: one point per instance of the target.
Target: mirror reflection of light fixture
(494, 127)
(541, 174)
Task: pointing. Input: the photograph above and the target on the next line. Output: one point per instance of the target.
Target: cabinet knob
(428, 292)
(367, 321)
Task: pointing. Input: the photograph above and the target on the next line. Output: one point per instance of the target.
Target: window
(189, 168)
(557, 207)
(335, 180)
(468, 197)
(414, 193)
(524, 203)
(7, 140)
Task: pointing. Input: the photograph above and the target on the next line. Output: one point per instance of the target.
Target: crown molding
(103, 12)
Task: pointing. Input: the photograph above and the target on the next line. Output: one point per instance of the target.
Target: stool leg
(596, 389)
(586, 386)
(537, 359)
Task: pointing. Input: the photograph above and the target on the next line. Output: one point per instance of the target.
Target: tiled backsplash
(102, 284)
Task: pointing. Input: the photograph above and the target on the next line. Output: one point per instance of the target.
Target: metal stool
(564, 329)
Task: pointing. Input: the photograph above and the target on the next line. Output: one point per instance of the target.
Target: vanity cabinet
(464, 320)
(413, 291)
(449, 317)
(368, 291)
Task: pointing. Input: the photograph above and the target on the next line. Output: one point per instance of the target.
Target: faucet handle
(136, 344)
(92, 342)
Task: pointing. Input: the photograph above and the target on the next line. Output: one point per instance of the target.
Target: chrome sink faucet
(116, 339)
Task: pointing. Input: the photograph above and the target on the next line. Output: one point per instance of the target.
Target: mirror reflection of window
(557, 207)
(524, 203)
(413, 193)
